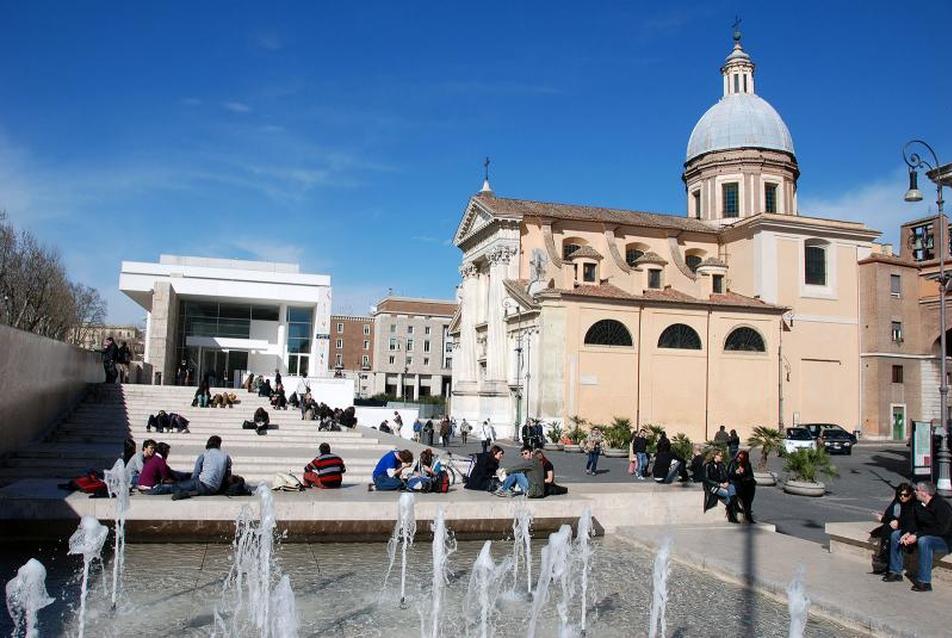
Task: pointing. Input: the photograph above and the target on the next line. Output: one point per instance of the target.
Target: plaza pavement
(32, 507)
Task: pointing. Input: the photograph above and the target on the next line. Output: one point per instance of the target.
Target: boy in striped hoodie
(326, 470)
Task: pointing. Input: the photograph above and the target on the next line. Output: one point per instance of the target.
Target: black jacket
(639, 444)
(480, 478)
(714, 475)
(934, 519)
(904, 512)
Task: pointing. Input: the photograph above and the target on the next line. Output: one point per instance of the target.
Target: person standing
(464, 429)
(593, 447)
(398, 423)
(277, 377)
(733, 444)
(933, 535)
(488, 434)
(722, 437)
(639, 446)
(428, 432)
(124, 357)
(110, 357)
(445, 432)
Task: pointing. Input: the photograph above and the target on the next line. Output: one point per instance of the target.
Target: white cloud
(236, 107)
(268, 40)
(265, 249)
(878, 204)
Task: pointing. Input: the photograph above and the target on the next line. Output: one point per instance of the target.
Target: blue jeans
(592, 463)
(386, 483)
(726, 493)
(928, 545)
(517, 478)
(188, 485)
(642, 463)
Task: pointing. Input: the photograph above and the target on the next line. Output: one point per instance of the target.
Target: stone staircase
(92, 437)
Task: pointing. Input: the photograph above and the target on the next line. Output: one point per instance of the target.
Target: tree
(36, 295)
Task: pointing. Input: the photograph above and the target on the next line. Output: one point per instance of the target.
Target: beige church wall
(740, 261)
(551, 357)
(824, 373)
(743, 385)
(838, 300)
(673, 381)
(604, 382)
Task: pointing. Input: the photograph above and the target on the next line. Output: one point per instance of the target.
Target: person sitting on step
(717, 486)
(212, 470)
(387, 474)
(326, 470)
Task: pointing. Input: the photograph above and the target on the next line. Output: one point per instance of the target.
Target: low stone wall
(41, 380)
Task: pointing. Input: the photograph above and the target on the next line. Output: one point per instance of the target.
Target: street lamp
(940, 175)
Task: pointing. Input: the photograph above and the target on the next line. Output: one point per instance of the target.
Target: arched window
(745, 340)
(679, 336)
(570, 245)
(608, 332)
(633, 252)
(693, 261)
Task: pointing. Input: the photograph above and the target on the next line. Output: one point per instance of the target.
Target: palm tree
(768, 440)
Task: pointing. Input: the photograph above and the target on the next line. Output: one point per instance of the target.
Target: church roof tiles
(528, 208)
(586, 252)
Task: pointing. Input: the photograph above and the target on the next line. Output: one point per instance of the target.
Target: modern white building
(224, 317)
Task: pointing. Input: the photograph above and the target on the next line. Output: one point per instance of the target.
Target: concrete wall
(42, 379)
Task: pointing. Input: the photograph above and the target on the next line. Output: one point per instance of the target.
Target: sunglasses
(906, 494)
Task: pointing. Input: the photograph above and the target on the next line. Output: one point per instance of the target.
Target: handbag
(631, 467)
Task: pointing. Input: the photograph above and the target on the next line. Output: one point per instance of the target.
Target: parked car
(820, 428)
(798, 438)
(838, 440)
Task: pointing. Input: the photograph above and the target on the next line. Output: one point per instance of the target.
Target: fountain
(26, 595)
(284, 621)
(252, 572)
(404, 530)
(583, 552)
(659, 597)
(798, 604)
(87, 540)
(522, 544)
(117, 483)
(444, 544)
(555, 565)
(483, 590)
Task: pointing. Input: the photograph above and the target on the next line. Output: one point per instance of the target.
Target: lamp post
(940, 175)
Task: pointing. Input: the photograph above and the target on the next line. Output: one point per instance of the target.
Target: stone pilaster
(496, 326)
(467, 346)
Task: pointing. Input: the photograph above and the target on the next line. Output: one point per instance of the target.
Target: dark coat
(480, 478)
(534, 470)
(934, 519)
(714, 475)
(904, 512)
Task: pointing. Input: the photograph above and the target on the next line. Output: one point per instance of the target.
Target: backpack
(235, 486)
(90, 483)
(248, 425)
(286, 482)
(440, 483)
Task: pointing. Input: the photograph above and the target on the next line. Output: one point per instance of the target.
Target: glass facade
(300, 329)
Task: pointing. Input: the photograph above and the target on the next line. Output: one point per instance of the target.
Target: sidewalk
(838, 588)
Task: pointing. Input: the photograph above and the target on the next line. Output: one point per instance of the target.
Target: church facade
(739, 313)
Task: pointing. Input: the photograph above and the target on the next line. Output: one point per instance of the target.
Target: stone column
(467, 336)
(495, 317)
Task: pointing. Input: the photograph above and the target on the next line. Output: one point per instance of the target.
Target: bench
(851, 540)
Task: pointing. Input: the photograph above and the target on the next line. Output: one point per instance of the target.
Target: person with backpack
(386, 474)
(445, 432)
(326, 470)
(417, 430)
(124, 358)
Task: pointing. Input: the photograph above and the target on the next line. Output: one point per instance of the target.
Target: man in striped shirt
(326, 470)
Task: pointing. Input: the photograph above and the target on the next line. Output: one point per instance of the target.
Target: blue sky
(348, 136)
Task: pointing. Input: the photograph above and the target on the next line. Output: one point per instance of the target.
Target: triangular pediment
(475, 218)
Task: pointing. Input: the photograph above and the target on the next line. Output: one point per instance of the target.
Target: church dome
(739, 120)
